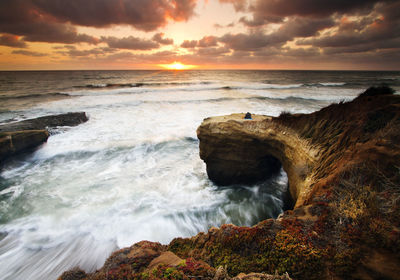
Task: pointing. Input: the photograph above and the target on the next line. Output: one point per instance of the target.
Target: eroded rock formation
(237, 150)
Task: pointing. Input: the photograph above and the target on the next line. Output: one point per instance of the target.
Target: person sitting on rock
(247, 116)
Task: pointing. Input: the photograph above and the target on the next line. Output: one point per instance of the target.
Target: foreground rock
(343, 164)
(151, 261)
(28, 134)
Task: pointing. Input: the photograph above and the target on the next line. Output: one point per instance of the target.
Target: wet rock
(68, 119)
(28, 134)
(12, 143)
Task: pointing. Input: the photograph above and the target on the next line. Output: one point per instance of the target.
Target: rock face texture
(15, 142)
(25, 135)
(343, 164)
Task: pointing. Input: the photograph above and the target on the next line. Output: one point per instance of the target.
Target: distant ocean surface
(133, 172)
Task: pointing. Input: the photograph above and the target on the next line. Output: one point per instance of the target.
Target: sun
(177, 66)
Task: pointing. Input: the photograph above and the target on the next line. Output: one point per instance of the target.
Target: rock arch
(236, 150)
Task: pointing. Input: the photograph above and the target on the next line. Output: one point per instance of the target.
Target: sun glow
(176, 66)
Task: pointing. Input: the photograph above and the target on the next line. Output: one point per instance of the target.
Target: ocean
(133, 172)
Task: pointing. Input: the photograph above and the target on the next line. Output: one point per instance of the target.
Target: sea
(133, 172)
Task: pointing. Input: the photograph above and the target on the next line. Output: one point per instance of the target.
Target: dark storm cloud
(29, 53)
(364, 34)
(130, 43)
(304, 27)
(12, 41)
(163, 41)
(293, 28)
(22, 18)
(142, 14)
(53, 20)
(274, 11)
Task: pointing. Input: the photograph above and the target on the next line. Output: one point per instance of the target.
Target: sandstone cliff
(343, 165)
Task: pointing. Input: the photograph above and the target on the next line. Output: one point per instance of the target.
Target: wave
(261, 86)
(281, 86)
(292, 99)
(34, 95)
(327, 84)
(165, 87)
(140, 84)
(123, 85)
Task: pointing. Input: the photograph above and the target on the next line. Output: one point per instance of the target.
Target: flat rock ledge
(26, 135)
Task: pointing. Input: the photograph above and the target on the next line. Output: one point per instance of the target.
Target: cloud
(218, 26)
(207, 41)
(130, 43)
(275, 11)
(213, 52)
(73, 52)
(144, 15)
(304, 27)
(21, 18)
(54, 21)
(240, 5)
(379, 30)
(187, 44)
(247, 42)
(293, 28)
(12, 41)
(29, 53)
(163, 41)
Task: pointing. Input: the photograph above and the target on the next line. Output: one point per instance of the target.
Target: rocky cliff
(343, 165)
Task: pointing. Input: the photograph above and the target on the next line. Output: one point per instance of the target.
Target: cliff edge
(343, 165)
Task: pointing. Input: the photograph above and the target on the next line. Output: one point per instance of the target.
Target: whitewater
(133, 172)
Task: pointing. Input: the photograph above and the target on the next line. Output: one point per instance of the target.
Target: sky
(206, 34)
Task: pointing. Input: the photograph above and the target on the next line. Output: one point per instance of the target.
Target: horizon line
(205, 69)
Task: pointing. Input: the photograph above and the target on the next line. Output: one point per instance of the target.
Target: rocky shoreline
(19, 137)
(344, 176)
